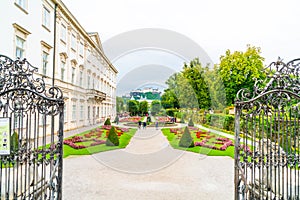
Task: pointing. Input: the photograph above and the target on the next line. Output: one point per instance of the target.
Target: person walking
(140, 124)
(144, 125)
(156, 125)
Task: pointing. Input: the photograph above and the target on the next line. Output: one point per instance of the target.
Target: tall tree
(133, 107)
(169, 99)
(143, 108)
(194, 73)
(239, 70)
(155, 107)
(216, 88)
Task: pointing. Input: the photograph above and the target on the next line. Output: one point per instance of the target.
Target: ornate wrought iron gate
(31, 133)
(267, 135)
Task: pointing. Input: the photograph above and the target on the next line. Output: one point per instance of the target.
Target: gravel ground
(148, 169)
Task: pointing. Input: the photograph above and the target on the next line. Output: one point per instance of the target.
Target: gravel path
(148, 169)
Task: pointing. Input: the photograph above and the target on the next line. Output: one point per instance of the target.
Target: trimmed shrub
(107, 122)
(191, 123)
(14, 142)
(186, 140)
(112, 138)
(221, 121)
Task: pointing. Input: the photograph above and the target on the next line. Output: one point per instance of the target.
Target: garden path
(148, 168)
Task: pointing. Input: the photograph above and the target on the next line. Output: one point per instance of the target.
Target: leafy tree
(155, 107)
(112, 138)
(169, 99)
(216, 88)
(194, 73)
(186, 139)
(239, 70)
(143, 108)
(184, 92)
(133, 107)
(187, 88)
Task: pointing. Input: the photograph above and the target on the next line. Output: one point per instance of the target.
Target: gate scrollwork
(267, 147)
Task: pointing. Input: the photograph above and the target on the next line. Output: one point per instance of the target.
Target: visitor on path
(156, 125)
(144, 125)
(140, 124)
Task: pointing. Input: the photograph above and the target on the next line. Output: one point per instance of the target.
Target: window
(22, 4)
(46, 18)
(81, 49)
(73, 75)
(20, 47)
(80, 78)
(62, 70)
(63, 31)
(45, 62)
(73, 42)
(89, 110)
(88, 81)
(81, 112)
(74, 112)
(65, 113)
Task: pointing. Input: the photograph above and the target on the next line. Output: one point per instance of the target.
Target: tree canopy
(239, 70)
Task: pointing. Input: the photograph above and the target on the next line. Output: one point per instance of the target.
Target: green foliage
(155, 107)
(169, 99)
(143, 108)
(14, 142)
(188, 88)
(194, 73)
(186, 139)
(112, 138)
(133, 107)
(171, 112)
(239, 70)
(107, 122)
(216, 88)
(191, 123)
(221, 121)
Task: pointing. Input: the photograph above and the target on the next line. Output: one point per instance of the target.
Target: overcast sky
(215, 25)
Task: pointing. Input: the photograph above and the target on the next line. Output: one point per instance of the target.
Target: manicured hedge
(221, 121)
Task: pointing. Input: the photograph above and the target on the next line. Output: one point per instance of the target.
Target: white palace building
(47, 34)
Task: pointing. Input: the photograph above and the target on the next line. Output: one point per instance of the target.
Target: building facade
(47, 34)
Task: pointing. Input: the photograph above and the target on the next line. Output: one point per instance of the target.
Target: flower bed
(131, 119)
(205, 138)
(163, 119)
(93, 138)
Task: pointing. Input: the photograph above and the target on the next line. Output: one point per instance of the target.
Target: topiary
(107, 122)
(14, 142)
(186, 139)
(112, 138)
(191, 123)
(182, 120)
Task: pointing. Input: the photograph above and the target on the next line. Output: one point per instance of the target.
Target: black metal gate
(267, 135)
(31, 133)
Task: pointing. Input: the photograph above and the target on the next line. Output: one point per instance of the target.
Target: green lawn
(123, 142)
(174, 141)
